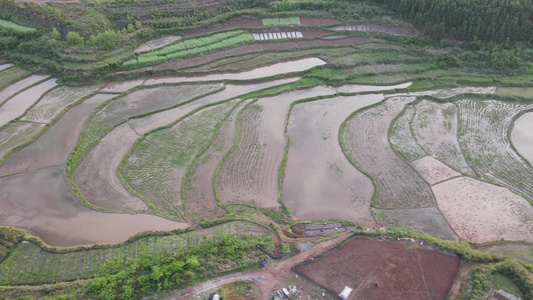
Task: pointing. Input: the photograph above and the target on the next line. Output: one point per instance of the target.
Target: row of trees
(488, 20)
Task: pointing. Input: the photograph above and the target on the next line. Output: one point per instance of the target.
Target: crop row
(192, 47)
(402, 139)
(15, 135)
(281, 21)
(16, 27)
(31, 264)
(55, 101)
(364, 137)
(157, 165)
(483, 136)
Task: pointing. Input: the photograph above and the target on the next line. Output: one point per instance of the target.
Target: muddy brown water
(121, 86)
(268, 71)
(148, 123)
(259, 185)
(522, 136)
(54, 146)
(19, 85)
(97, 175)
(320, 183)
(42, 202)
(16, 106)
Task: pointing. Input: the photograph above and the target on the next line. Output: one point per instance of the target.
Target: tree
(74, 38)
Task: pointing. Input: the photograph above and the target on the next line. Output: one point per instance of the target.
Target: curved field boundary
(198, 199)
(17, 105)
(364, 140)
(54, 145)
(10, 75)
(401, 136)
(250, 171)
(374, 28)
(435, 127)
(156, 166)
(527, 157)
(20, 86)
(5, 66)
(67, 264)
(484, 138)
(16, 135)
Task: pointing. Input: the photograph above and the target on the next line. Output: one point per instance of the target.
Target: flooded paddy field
(522, 136)
(18, 86)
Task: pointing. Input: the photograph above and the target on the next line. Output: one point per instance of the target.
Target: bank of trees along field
(147, 146)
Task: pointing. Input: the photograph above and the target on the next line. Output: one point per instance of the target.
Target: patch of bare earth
(433, 171)
(377, 269)
(482, 212)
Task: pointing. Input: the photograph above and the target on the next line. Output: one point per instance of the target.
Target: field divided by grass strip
(364, 138)
(56, 101)
(15, 135)
(11, 75)
(192, 47)
(20, 86)
(198, 194)
(435, 127)
(158, 163)
(484, 138)
(46, 266)
(402, 139)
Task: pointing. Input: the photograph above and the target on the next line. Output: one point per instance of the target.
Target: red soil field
(378, 269)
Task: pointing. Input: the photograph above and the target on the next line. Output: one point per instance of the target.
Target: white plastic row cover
(276, 35)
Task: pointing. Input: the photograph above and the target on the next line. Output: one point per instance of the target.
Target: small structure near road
(503, 295)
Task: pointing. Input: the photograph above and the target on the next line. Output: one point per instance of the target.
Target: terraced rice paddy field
(215, 126)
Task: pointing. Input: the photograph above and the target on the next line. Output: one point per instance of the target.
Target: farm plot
(432, 170)
(53, 147)
(15, 135)
(17, 105)
(484, 128)
(277, 35)
(140, 102)
(401, 137)
(55, 101)
(319, 182)
(481, 212)
(198, 190)
(19, 85)
(428, 219)
(364, 138)
(377, 269)
(521, 251)
(96, 177)
(11, 75)
(121, 86)
(435, 128)
(42, 202)
(157, 43)
(357, 88)
(262, 72)
(375, 28)
(448, 93)
(522, 136)
(249, 173)
(5, 66)
(46, 266)
(153, 121)
(157, 165)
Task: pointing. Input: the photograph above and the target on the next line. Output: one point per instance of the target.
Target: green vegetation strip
(192, 47)
(15, 27)
(11, 75)
(281, 21)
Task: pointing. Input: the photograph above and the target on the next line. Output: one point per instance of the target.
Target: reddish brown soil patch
(255, 48)
(314, 33)
(298, 228)
(317, 22)
(378, 269)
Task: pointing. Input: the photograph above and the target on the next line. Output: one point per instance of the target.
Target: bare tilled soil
(433, 171)
(53, 147)
(97, 176)
(42, 202)
(250, 173)
(481, 212)
(377, 269)
(365, 136)
(319, 182)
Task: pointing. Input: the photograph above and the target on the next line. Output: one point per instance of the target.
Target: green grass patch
(16, 27)
(281, 21)
(500, 282)
(8, 76)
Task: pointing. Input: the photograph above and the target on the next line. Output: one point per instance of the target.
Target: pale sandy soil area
(433, 171)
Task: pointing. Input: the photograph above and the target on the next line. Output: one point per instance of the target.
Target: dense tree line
(487, 20)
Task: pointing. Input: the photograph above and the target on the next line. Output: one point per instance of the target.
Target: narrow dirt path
(463, 272)
(265, 279)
